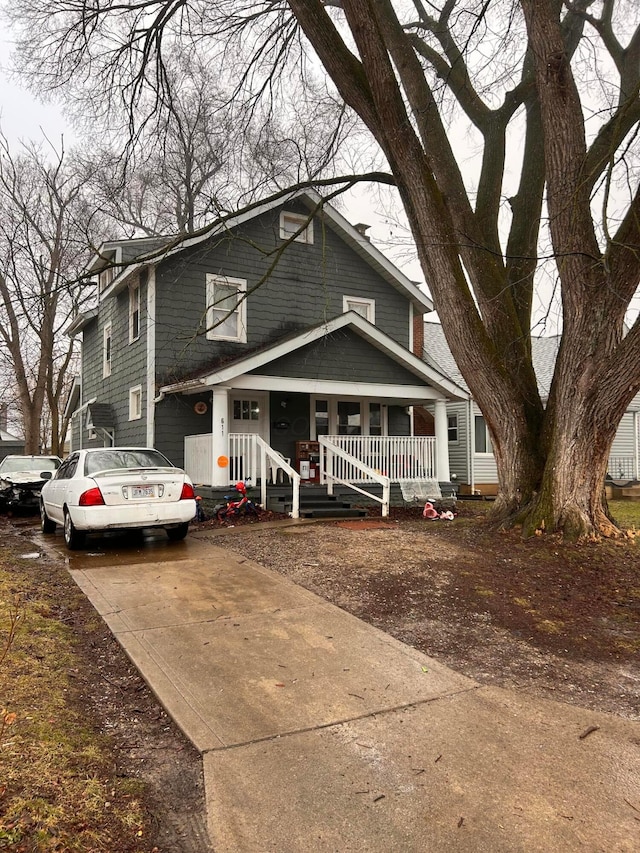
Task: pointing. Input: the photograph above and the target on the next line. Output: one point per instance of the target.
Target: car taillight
(188, 493)
(92, 497)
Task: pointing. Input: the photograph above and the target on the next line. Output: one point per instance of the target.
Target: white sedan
(117, 488)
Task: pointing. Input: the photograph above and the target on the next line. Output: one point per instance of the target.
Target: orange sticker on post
(223, 461)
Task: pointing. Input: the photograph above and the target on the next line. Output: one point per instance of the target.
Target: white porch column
(442, 442)
(220, 436)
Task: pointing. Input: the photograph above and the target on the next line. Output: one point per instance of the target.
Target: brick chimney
(418, 334)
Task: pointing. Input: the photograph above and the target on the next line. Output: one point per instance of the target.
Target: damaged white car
(22, 478)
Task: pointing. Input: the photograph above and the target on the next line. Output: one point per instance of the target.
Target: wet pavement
(320, 733)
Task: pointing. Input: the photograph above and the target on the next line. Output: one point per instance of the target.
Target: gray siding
(305, 288)
(342, 356)
(458, 453)
(128, 367)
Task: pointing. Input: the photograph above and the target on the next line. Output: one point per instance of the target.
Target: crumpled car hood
(20, 478)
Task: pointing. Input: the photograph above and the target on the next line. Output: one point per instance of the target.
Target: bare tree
(564, 78)
(40, 249)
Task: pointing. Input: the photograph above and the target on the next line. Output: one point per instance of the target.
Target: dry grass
(58, 786)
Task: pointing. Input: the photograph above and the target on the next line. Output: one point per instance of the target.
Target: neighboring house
(236, 344)
(9, 444)
(471, 458)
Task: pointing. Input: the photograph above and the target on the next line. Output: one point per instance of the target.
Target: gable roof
(265, 355)
(168, 246)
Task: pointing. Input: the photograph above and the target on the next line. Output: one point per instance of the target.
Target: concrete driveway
(321, 733)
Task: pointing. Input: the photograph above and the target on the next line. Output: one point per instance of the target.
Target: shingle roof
(438, 355)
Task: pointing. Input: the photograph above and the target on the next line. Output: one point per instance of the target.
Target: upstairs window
(106, 351)
(291, 223)
(134, 312)
(364, 307)
(226, 308)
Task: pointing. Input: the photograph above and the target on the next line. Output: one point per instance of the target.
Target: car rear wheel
(46, 525)
(179, 532)
(73, 538)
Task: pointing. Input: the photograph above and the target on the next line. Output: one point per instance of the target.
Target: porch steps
(316, 503)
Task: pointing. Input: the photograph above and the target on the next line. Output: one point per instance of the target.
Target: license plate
(138, 492)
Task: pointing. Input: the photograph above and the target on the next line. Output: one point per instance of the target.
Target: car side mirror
(45, 475)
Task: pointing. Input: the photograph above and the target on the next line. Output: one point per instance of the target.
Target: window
(322, 417)
(365, 307)
(246, 410)
(349, 418)
(107, 275)
(134, 312)
(135, 403)
(375, 419)
(106, 351)
(226, 308)
(483, 440)
(452, 427)
(290, 223)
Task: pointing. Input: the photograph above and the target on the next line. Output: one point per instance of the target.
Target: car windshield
(28, 463)
(109, 460)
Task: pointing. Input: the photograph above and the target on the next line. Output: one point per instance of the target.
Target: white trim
(438, 383)
(298, 221)
(135, 411)
(369, 304)
(80, 321)
(213, 280)
(482, 453)
(402, 395)
(151, 356)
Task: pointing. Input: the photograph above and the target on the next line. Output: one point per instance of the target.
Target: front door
(249, 412)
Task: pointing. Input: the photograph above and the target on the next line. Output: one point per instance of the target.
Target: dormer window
(291, 223)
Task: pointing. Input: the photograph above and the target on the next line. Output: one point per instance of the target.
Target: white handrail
(248, 454)
(276, 460)
(329, 457)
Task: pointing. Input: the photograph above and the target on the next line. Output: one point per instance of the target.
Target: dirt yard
(558, 621)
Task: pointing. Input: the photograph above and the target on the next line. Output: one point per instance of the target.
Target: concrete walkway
(320, 733)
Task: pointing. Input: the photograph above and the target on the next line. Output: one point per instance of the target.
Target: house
(9, 444)
(471, 460)
(279, 340)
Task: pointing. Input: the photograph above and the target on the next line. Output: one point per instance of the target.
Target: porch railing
(338, 466)
(250, 458)
(397, 457)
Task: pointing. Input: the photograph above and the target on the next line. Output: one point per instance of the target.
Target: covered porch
(367, 465)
